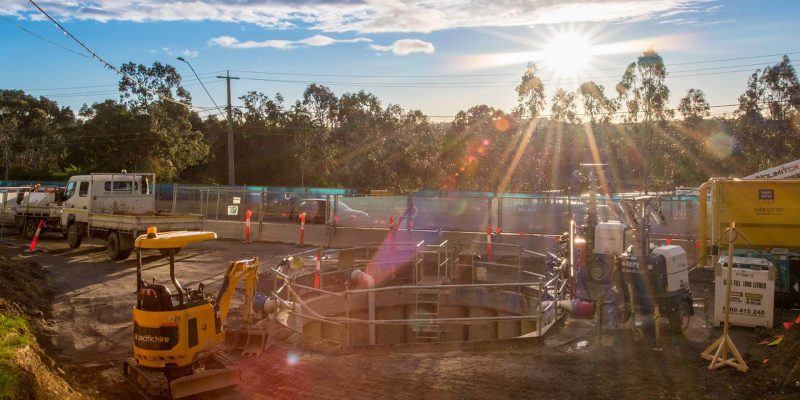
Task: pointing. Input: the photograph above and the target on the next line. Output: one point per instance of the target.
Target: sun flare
(567, 53)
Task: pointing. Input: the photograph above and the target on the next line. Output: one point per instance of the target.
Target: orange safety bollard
(669, 241)
(247, 216)
(489, 243)
(392, 232)
(302, 227)
(36, 236)
(316, 272)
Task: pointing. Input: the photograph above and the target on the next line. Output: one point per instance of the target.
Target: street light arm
(203, 85)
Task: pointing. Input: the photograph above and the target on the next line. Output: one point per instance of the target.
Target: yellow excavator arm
(238, 270)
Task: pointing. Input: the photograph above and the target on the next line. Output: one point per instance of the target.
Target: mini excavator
(178, 337)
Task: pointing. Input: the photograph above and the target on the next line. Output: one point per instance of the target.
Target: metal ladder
(427, 307)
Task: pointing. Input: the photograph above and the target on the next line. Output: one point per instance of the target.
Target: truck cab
(110, 193)
(116, 207)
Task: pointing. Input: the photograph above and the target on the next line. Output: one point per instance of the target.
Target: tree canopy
(357, 141)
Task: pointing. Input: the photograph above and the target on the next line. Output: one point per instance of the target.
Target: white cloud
(185, 53)
(314, 41)
(366, 16)
(405, 47)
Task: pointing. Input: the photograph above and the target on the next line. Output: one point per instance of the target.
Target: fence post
(328, 216)
(174, 196)
(335, 209)
(499, 211)
(216, 208)
(261, 212)
(489, 212)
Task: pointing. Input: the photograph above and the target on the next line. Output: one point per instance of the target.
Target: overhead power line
(477, 84)
(36, 35)
(106, 63)
(496, 74)
(194, 82)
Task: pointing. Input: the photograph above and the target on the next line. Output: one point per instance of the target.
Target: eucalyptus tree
(645, 95)
(530, 93)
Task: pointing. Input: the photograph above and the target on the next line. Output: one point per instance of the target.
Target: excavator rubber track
(151, 384)
(220, 371)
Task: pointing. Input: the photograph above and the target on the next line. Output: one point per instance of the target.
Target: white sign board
(233, 210)
(752, 297)
(237, 200)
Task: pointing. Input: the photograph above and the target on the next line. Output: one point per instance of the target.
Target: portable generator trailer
(642, 278)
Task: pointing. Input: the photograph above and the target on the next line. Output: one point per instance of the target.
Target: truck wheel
(679, 320)
(74, 237)
(114, 247)
(29, 231)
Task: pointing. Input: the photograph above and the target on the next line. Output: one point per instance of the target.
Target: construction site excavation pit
(413, 295)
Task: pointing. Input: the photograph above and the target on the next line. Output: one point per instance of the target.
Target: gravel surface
(91, 334)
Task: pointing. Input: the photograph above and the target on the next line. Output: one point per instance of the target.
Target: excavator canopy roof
(172, 240)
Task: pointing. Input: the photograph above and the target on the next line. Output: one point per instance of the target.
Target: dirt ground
(89, 334)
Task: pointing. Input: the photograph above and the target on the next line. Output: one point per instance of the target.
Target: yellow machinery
(766, 211)
(767, 216)
(179, 335)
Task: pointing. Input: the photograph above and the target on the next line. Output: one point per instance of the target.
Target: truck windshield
(70, 189)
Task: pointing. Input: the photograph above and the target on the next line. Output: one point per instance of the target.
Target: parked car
(315, 212)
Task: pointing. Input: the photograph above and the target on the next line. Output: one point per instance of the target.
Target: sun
(567, 53)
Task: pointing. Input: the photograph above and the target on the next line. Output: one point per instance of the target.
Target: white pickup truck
(117, 208)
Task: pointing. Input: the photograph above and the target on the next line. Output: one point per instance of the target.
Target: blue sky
(437, 56)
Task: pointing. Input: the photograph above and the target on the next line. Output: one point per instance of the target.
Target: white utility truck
(34, 204)
(117, 208)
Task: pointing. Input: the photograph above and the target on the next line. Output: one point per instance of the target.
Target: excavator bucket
(210, 379)
(251, 341)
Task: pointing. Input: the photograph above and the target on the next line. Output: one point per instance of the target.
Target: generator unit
(659, 279)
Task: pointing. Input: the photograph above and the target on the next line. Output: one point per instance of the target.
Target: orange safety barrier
(247, 216)
(36, 236)
(316, 272)
(302, 227)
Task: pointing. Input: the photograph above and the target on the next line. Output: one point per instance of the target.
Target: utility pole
(228, 77)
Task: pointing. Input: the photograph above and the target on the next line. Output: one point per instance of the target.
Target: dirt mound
(23, 282)
(785, 357)
(25, 369)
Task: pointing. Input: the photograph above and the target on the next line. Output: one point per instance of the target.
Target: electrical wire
(34, 34)
(463, 85)
(495, 74)
(192, 80)
(106, 63)
(204, 87)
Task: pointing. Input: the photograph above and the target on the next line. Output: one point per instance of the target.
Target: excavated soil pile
(24, 295)
(784, 357)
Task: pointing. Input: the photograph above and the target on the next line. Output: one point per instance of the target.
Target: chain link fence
(467, 212)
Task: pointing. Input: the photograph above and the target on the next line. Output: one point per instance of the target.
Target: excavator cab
(178, 334)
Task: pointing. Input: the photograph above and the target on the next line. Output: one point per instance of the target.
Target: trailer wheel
(114, 247)
(680, 318)
(29, 230)
(74, 237)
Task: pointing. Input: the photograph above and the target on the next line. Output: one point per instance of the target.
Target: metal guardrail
(550, 286)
